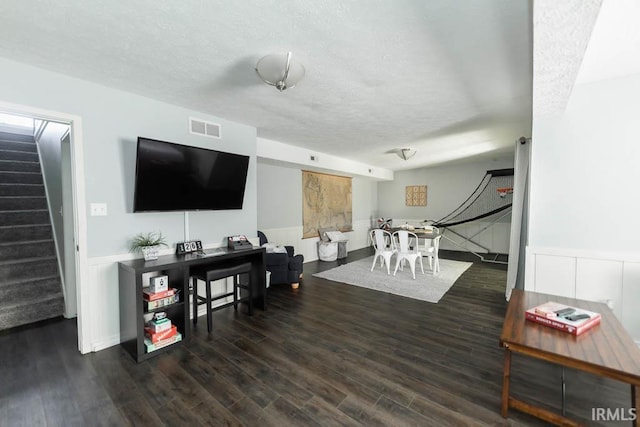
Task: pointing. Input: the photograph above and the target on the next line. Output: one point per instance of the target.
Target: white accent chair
(430, 250)
(383, 245)
(406, 243)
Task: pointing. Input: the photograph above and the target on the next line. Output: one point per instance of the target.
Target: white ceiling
(614, 47)
(449, 78)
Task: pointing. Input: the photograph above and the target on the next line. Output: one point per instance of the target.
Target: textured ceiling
(561, 36)
(449, 78)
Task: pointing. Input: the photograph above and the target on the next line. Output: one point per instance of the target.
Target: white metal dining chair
(406, 243)
(383, 246)
(430, 250)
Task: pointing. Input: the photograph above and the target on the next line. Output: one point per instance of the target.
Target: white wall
(584, 204)
(49, 148)
(448, 186)
(584, 170)
(280, 208)
(112, 120)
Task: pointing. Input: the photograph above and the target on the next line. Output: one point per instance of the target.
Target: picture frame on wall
(416, 195)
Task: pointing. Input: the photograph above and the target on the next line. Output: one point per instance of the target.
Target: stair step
(10, 136)
(20, 250)
(25, 233)
(22, 203)
(28, 217)
(27, 147)
(19, 166)
(30, 312)
(22, 270)
(22, 190)
(30, 285)
(29, 290)
(20, 178)
(19, 155)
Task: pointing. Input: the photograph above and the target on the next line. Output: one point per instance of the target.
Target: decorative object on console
(280, 71)
(148, 243)
(416, 195)
(285, 268)
(238, 242)
(158, 283)
(188, 247)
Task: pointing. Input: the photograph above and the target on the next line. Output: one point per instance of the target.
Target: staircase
(30, 285)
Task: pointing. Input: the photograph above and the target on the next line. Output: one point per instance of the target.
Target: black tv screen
(174, 177)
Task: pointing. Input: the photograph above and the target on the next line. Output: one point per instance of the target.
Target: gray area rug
(425, 287)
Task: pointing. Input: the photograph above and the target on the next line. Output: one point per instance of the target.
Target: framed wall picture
(416, 195)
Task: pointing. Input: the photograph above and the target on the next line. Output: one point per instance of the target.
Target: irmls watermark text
(613, 414)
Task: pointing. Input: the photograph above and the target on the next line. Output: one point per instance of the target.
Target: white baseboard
(105, 343)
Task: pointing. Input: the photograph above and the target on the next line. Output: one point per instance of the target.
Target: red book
(159, 336)
(148, 296)
(562, 323)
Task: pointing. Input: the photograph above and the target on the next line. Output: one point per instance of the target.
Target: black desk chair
(209, 276)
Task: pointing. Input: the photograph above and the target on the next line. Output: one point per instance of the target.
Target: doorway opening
(41, 184)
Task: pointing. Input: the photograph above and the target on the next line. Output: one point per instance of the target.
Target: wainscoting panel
(555, 275)
(600, 280)
(104, 305)
(358, 239)
(631, 298)
(609, 277)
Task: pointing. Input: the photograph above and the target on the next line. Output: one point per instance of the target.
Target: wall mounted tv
(174, 177)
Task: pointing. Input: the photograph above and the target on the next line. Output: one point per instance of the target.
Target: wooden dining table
(421, 233)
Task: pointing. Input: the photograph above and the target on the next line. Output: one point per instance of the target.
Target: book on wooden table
(151, 346)
(151, 296)
(563, 317)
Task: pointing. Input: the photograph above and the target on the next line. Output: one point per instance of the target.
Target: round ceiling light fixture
(280, 71)
(406, 153)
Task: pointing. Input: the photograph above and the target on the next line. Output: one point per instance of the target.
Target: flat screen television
(174, 177)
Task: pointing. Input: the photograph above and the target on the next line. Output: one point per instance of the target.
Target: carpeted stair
(30, 286)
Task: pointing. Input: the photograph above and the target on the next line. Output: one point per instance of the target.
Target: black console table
(177, 268)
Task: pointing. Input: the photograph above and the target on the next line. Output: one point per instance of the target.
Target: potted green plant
(148, 243)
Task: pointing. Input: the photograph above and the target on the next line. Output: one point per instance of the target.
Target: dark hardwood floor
(325, 354)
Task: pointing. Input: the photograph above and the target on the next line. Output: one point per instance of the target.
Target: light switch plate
(98, 209)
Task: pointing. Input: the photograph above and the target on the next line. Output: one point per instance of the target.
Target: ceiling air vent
(201, 127)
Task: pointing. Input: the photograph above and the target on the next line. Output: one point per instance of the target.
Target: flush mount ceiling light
(280, 71)
(406, 153)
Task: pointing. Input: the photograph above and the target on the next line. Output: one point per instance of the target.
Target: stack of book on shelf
(572, 320)
(154, 300)
(159, 333)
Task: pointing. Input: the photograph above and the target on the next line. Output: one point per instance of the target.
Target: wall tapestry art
(416, 195)
(326, 202)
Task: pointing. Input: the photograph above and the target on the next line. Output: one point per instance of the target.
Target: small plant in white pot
(148, 243)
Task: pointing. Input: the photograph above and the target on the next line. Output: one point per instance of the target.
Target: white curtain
(519, 216)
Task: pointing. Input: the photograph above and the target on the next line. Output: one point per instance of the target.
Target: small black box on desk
(238, 242)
